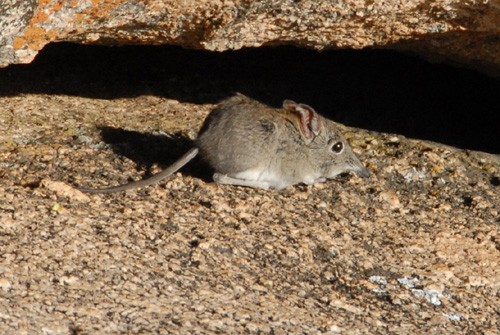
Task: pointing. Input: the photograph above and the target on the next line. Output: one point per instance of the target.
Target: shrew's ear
(309, 121)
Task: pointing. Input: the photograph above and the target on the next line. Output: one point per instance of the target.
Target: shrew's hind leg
(220, 178)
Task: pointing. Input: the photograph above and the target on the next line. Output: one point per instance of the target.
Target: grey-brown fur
(250, 144)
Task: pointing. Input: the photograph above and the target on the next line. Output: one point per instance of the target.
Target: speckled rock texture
(460, 31)
(414, 249)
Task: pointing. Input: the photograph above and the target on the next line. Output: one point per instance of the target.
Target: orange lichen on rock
(18, 42)
(35, 37)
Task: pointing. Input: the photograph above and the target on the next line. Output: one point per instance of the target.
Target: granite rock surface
(465, 32)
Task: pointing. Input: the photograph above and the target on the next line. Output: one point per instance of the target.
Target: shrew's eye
(337, 147)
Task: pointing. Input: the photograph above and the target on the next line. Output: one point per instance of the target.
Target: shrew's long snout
(363, 172)
(358, 167)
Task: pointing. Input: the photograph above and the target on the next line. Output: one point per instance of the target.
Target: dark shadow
(147, 149)
(373, 89)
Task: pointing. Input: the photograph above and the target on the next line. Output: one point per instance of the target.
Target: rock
(64, 190)
(178, 259)
(452, 30)
(5, 284)
(390, 198)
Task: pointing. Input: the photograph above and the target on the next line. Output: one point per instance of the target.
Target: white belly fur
(270, 177)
